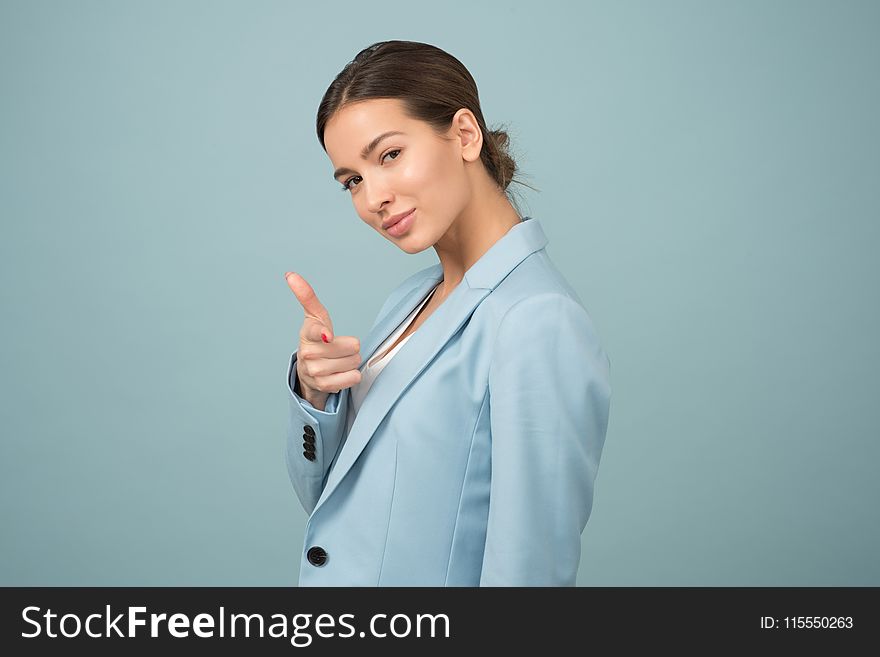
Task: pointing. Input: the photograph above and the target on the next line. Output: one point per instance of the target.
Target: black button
(309, 447)
(308, 429)
(310, 455)
(317, 555)
(309, 438)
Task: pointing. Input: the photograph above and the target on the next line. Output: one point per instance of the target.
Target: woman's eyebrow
(365, 153)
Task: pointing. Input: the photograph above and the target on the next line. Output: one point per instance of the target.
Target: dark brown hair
(432, 86)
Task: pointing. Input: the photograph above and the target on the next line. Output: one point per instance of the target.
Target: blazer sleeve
(309, 476)
(549, 396)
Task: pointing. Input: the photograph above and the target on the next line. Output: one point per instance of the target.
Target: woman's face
(414, 169)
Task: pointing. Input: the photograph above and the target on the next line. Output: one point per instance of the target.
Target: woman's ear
(467, 132)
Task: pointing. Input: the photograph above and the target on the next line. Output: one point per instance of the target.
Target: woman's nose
(378, 197)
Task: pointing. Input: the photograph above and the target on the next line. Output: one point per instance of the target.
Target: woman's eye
(346, 186)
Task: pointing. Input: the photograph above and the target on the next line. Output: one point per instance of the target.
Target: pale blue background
(709, 176)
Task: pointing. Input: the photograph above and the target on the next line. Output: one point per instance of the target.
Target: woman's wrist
(316, 398)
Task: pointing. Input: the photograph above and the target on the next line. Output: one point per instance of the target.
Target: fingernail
(324, 338)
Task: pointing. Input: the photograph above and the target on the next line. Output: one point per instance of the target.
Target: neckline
(415, 311)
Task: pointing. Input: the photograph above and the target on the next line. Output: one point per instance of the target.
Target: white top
(373, 367)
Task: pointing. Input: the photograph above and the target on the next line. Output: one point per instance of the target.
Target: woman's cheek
(411, 175)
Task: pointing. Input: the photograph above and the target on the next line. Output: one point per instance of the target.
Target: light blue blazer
(473, 457)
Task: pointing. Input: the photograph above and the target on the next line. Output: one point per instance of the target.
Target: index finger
(305, 294)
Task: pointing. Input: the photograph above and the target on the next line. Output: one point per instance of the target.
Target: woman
(471, 460)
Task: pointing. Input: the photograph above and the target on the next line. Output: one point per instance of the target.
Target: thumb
(326, 331)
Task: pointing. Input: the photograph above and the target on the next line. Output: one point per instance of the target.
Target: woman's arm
(549, 395)
(313, 438)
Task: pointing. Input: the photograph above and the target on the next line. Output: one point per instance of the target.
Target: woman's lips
(393, 220)
(403, 225)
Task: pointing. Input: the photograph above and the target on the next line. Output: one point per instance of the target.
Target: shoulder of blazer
(536, 275)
